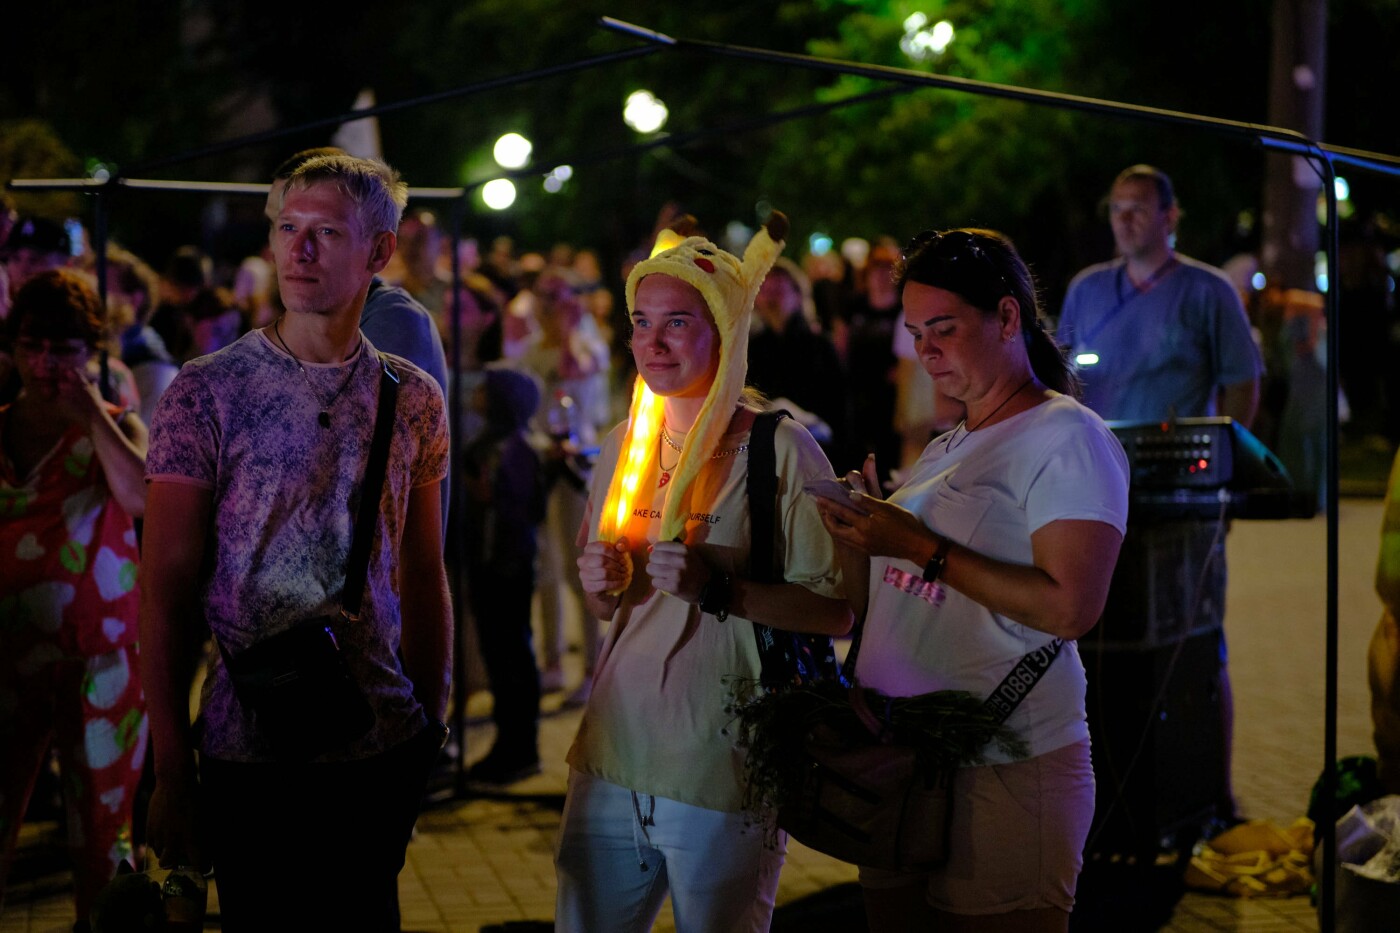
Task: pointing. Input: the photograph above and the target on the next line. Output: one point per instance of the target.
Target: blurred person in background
(192, 316)
(34, 245)
(255, 288)
(71, 484)
(816, 386)
(31, 245)
(871, 316)
(132, 287)
(482, 306)
(571, 360)
(8, 216)
(505, 502)
(827, 272)
(1158, 336)
(416, 266)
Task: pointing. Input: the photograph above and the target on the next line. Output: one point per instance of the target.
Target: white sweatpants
(619, 854)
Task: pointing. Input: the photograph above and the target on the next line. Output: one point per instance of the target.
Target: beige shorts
(1017, 837)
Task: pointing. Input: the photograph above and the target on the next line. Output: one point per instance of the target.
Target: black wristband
(716, 595)
(934, 568)
(443, 730)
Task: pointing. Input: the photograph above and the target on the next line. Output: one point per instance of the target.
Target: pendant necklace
(967, 431)
(678, 448)
(666, 470)
(324, 417)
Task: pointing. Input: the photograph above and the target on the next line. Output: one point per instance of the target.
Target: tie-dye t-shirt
(243, 423)
(67, 556)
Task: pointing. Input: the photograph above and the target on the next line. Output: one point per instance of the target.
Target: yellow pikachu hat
(729, 286)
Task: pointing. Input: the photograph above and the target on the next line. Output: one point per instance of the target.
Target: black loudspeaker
(1158, 744)
(1169, 584)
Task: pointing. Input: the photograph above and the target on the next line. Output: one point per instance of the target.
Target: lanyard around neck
(1124, 300)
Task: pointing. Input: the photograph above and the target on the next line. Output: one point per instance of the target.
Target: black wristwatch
(934, 568)
(716, 595)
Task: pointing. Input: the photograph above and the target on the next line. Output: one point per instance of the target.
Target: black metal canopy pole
(1256, 132)
(457, 530)
(1321, 156)
(491, 84)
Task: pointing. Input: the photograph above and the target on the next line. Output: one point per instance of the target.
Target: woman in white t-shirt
(1002, 539)
(655, 796)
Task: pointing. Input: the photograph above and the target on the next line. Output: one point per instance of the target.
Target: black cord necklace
(967, 430)
(324, 417)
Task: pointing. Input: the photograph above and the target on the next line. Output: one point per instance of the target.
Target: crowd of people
(604, 467)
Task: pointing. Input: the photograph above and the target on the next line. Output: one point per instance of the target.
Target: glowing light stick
(636, 459)
(644, 426)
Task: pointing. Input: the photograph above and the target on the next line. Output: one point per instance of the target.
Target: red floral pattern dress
(68, 657)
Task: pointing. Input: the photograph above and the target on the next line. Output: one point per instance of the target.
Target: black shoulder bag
(787, 659)
(867, 795)
(302, 695)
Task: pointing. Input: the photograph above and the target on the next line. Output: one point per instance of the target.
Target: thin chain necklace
(678, 448)
(324, 418)
(967, 431)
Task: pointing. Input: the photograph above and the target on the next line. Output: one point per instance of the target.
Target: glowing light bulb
(512, 151)
(498, 194)
(644, 112)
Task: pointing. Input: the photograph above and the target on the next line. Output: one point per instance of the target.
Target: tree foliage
(31, 149)
(125, 89)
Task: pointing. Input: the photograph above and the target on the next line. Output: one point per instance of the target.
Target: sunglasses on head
(954, 246)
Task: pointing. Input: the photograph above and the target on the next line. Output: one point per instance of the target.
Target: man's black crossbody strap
(371, 490)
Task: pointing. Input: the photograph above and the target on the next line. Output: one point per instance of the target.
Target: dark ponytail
(1048, 360)
(982, 266)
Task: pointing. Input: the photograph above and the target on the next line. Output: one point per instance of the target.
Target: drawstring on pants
(640, 823)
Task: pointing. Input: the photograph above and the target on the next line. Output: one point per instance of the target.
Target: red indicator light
(1203, 463)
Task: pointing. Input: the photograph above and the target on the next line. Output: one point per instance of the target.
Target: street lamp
(554, 181)
(512, 151)
(498, 194)
(644, 112)
(920, 42)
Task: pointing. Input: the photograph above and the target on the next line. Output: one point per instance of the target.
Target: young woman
(654, 804)
(1002, 540)
(71, 481)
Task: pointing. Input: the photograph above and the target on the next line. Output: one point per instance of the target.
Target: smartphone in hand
(836, 490)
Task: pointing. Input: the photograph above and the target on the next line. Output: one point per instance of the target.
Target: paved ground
(481, 862)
